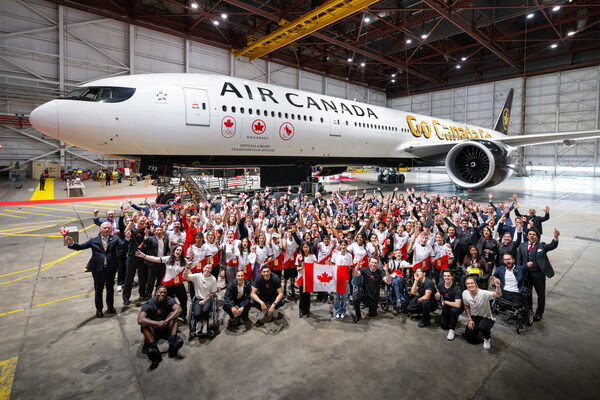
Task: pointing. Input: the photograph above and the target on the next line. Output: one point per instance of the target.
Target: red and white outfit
(277, 262)
(232, 252)
(211, 254)
(173, 272)
(340, 259)
(422, 255)
(441, 257)
(400, 242)
(324, 252)
(197, 255)
(359, 254)
(291, 249)
(246, 260)
(262, 253)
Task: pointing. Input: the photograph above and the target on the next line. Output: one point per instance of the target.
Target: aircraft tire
(159, 198)
(401, 178)
(390, 178)
(168, 199)
(381, 178)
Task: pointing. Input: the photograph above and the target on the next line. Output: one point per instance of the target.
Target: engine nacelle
(478, 164)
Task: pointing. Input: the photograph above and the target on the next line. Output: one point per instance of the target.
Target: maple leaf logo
(259, 127)
(325, 278)
(287, 130)
(228, 123)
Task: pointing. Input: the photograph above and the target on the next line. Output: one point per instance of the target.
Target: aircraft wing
(426, 150)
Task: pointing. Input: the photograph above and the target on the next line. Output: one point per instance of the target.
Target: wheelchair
(522, 315)
(214, 321)
(389, 296)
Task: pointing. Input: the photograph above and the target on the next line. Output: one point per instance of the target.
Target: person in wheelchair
(396, 264)
(236, 302)
(512, 280)
(205, 290)
(450, 297)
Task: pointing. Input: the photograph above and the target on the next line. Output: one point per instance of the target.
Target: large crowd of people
(431, 251)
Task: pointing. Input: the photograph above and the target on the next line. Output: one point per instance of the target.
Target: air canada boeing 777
(166, 120)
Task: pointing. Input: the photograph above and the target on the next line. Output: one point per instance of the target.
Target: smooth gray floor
(64, 352)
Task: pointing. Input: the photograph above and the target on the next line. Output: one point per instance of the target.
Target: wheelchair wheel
(519, 328)
(191, 325)
(385, 306)
(529, 317)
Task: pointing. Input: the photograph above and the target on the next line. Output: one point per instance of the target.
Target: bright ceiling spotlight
(553, 45)
(194, 5)
(463, 58)
(224, 16)
(349, 59)
(362, 64)
(529, 16)
(571, 33)
(409, 41)
(556, 8)
(215, 22)
(458, 67)
(424, 36)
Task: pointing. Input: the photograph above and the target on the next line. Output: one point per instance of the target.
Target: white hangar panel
(203, 58)
(336, 88)
(311, 82)
(284, 76)
(157, 52)
(441, 102)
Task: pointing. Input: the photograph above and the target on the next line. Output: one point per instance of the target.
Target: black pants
(104, 277)
(201, 311)
(304, 304)
(42, 185)
(237, 303)
(135, 264)
(513, 297)
(156, 272)
(362, 297)
(268, 302)
(449, 317)
(424, 308)
(215, 271)
(179, 292)
(122, 258)
(483, 325)
(538, 281)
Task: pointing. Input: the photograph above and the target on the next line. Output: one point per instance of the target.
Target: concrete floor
(47, 321)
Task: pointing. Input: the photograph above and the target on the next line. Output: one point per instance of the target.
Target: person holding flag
(304, 257)
(103, 264)
(368, 292)
(342, 258)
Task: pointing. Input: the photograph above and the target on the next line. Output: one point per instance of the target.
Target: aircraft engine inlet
(479, 164)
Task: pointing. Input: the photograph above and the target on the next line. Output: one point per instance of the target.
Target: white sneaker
(119, 288)
(337, 316)
(342, 316)
(486, 344)
(261, 315)
(450, 334)
(204, 328)
(275, 314)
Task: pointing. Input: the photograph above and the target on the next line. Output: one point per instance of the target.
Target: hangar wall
(46, 50)
(559, 102)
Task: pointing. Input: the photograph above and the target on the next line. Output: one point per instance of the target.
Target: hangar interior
(53, 346)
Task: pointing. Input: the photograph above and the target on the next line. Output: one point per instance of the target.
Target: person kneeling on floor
(478, 311)
(424, 301)
(267, 293)
(236, 301)
(369, 291)
(158, 320)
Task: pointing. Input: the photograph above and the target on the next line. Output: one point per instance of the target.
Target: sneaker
(204, 328)
(261, 315)
(337, 317)
(275, 314)
(342, 316)
(398, 303)
(119, 288)
(486, 344)
(182, 320)
(126, 302)
(174, 345)
(424, 324)
(450, 334)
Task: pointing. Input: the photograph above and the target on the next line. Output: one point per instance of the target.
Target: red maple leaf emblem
(325, 278)
(287, 130)
(228, 123)
(259, 127)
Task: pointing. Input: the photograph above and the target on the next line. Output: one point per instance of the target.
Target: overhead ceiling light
(463, 58)
(424, 36)
(362, 64)
(349, 59)
(215, 22)
(529, 16)
(556, 8)
(393, 75)
(393, 81)
(367, 20)
(194, 5)
(224, 16)
(553, 45)
(571, 33)
(409, 41)
(458, 67)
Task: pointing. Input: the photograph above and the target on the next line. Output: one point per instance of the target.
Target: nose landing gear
(391, 177)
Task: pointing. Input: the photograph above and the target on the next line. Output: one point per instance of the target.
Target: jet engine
(479, 164)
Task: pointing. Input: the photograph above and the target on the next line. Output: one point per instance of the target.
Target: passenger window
(292, 116)
(279, 114)
(232, 108)
(250, 111)
(224, 108)
(242, 110)
(321, 119)
(286, 115)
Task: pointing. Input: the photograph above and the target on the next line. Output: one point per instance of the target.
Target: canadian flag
(324, 278)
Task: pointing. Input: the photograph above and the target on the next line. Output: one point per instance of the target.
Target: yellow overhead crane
(320, 17)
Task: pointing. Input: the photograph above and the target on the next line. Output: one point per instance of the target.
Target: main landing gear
(391, 177)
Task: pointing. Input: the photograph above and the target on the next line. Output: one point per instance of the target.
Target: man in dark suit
(156, 245)
(151, 210)
(537, 221)
(42, 181)
(237, 304)
(533, 254)
(103, 264)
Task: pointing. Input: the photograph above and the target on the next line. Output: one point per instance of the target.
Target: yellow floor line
(59, 209)
(23, 228)
(14, 216)
(107, 204)
(66, 298)
(18, 272)
(40, 222)
(43, 268)
(47, 193)
(8, 368)
(27, 212)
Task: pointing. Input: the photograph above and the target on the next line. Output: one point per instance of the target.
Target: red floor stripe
(76, 200)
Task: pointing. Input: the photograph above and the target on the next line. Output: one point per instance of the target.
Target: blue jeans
(339, 302)
(397, 285)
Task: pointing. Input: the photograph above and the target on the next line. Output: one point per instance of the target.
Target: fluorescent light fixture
(224, 16)
(194, 5)
(553, 45)
(529, 16)
(362, 64)
(409, 41)
(215, 22)
(463, 58)
(556, 8)
(367, 20)
(424, 36)
(458, 67)
(571, 33)
(349, 59)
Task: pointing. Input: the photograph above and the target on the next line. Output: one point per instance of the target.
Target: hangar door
(197, 110)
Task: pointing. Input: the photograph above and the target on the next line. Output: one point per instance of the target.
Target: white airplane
(166, 120)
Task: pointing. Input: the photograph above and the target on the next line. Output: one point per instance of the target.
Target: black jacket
(537, 221)
(231, 294)
(98, 254)
(151, 247)
(538, 255)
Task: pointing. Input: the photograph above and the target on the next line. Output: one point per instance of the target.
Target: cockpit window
(100, 94)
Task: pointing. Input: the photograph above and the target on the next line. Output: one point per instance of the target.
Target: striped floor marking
(7, 375)
(43, 268)
(47, 193)
(46, 304)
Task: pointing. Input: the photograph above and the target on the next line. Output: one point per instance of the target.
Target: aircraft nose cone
(45, 119)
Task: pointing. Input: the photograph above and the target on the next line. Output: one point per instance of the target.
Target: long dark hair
(182, 259)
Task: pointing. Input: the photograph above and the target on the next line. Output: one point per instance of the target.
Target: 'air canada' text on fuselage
(296, 100)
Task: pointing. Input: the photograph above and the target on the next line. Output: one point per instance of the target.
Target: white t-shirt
(203, 286)
(510, 282)
(480, 305)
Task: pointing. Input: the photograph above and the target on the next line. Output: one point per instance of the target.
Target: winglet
(504, 118)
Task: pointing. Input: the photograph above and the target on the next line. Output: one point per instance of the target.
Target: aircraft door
(335, 124)
(197, 110)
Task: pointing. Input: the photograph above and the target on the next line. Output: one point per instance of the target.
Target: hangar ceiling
(400, 47)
